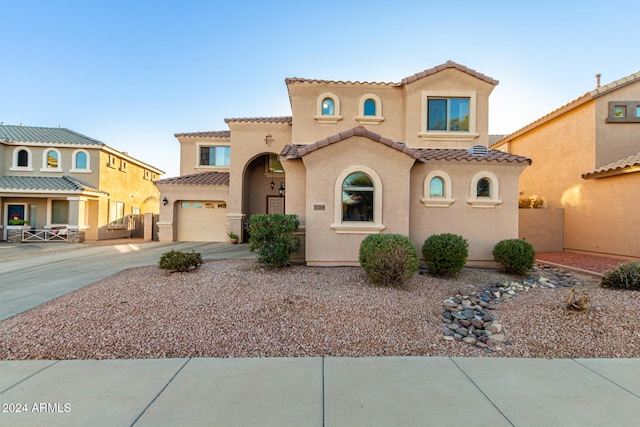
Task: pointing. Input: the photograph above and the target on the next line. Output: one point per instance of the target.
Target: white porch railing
(45, 235)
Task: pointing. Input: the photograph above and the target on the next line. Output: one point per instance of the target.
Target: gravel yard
(235, 308)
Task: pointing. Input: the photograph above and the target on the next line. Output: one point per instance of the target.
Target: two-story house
(58, 178)
(354, 158)
(586, 155)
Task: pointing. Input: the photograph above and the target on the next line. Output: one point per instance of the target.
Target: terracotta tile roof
(448, 64)
(292, 80)
(204, 178)
(295, 151)
(599, 91)
(44, 135)
(459, 154)
(626, 165)
(406, 80)
(205, 134)
(58, 184)
(582, 99)
(281, 119)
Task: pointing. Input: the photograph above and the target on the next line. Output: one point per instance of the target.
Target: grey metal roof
(44, 135)
(62, 184)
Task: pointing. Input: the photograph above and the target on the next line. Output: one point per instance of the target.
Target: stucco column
(236, 224)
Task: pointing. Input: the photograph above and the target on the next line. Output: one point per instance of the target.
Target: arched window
(81, 160)
(483, 188)
(51, 160)
(437, 192)
(369, 107)
(358, 201)
(357, 198)
(436, 187)
(328, 107)
(23, 159)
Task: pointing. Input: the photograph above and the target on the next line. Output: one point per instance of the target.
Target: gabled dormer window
(328, 108)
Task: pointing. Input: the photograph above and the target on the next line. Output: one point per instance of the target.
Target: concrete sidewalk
(380, 391)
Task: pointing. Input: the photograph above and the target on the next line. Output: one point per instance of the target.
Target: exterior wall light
(281, 189)
(165, 201)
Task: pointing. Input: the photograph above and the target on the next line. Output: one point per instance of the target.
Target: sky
(134, 73)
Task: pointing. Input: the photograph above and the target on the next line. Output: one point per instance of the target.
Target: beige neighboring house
(56, 178)
(353, 159)
(586, 159)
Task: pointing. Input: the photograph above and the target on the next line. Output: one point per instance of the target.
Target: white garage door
(202, 221)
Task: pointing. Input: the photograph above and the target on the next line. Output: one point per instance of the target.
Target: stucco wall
(177, 193)
(125, 185)
(542, 228)
(482, 227)
(325, 245)
(616, 140)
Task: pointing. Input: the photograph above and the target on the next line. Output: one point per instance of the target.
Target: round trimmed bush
(388, 259)
(624, 276)
(516, 256)
(445, 253)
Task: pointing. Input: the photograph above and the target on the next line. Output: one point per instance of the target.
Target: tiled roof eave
(212, 178)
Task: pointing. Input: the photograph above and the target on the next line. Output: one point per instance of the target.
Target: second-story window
(369, 107)
(328, 107)
(448, 114)
(215, 155)
(23, 159)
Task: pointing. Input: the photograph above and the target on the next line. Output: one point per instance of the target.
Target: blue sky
(134, 73)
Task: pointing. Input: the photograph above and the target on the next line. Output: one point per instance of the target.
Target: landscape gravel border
(237, 308)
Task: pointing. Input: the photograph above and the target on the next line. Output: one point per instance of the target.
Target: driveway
(34, 273)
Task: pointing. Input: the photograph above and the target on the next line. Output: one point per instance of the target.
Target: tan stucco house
(354, 158)
(586, 159)
(56, 178)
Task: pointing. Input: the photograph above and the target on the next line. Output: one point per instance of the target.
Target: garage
(202, 221)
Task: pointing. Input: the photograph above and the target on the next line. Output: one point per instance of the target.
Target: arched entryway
(263, 187)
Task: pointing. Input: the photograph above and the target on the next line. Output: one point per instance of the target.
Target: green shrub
(445, 253)
(272, 237)
(624, 276)
(388, 259)
(180, 261)
(516, 256)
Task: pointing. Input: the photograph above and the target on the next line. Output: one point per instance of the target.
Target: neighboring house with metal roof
(354, 158)
(586, 159)
(58, 178)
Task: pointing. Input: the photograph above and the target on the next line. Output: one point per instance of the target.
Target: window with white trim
(80, 161)
(51, 160)
(22, 159)
(438, 190)
(328, 108)
(116, 213)
(484, 190)
(358, 201)
(369, 109)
